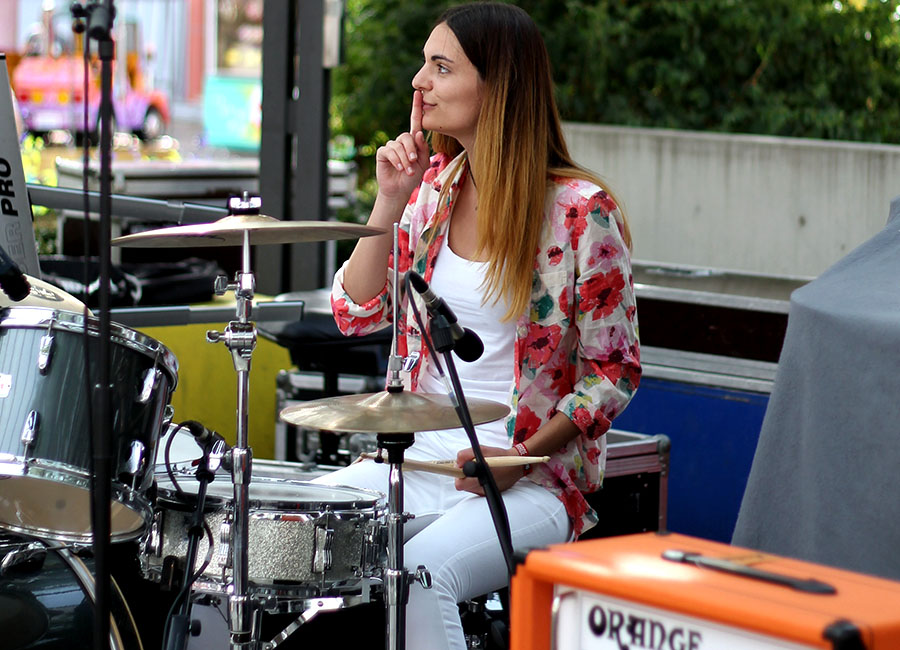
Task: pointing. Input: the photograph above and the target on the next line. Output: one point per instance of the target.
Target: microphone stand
(100, 18)
(179, 625)
(442, 338)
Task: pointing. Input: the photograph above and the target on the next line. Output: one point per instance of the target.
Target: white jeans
(454, 537)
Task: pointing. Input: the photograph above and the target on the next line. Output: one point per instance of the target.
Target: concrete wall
(784, 206)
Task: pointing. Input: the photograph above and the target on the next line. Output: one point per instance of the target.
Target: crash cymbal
(385, 412)
(44, 294)
(229, 231)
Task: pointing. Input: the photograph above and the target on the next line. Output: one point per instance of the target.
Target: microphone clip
(216, 451)
(442, 334)
(446, 333)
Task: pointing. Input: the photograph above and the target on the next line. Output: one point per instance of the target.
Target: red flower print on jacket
(604, 253)
(604, 202)
(575, 222)
(353, 324)
(593, 426)
(540, 344)
(576, 507)
(554, 255)
(602, 293)
(526, 424)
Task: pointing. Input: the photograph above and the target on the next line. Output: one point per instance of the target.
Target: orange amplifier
(673, 592)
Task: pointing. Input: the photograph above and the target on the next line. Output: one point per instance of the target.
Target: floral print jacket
(576, 349)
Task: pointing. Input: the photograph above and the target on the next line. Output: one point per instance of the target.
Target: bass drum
(47, 599)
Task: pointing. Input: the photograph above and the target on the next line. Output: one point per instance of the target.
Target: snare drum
(45, 431)
(305, 540)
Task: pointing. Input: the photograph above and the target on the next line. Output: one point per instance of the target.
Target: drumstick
(449, 468)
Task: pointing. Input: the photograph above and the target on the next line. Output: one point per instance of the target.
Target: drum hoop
(368, 499)
(61, 473)
(86, 578)
(66, 321)
(292, 598)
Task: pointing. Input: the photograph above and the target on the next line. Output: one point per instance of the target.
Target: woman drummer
(532, 253)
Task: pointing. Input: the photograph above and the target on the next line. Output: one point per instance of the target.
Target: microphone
(466, 343)
(210, 441)
(12, 280)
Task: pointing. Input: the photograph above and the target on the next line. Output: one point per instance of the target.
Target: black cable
(204, 477)
(186, 589)
(169, 471)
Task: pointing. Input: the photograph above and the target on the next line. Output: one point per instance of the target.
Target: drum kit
(261, 542)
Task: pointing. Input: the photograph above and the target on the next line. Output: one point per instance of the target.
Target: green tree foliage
(371, 89)
(805, 68)
(802, 68)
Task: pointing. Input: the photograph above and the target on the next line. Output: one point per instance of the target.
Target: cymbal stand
(396, 576)
(240, 338)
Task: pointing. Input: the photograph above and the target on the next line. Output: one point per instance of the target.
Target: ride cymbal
(229, 231)
(385, 412)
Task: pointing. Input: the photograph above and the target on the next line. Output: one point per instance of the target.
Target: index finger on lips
(415, 116)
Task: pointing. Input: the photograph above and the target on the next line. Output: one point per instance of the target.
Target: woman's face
(451, 88)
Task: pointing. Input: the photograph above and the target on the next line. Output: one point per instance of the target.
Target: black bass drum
(47, 599)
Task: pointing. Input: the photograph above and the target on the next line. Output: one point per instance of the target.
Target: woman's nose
(420, 79)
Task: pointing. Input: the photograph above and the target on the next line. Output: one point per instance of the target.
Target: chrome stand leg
(396, 577)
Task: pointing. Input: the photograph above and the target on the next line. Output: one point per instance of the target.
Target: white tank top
(458, 281)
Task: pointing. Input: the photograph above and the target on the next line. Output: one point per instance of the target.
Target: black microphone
(12, 280)
(466, 343)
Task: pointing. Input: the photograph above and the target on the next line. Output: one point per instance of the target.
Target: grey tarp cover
(825, 480)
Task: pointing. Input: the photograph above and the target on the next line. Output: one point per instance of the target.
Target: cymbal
(44, 294)
(229, 231)
(385, 412)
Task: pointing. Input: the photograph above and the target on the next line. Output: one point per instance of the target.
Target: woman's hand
(505, 477)
(401, 163)
(399, 167)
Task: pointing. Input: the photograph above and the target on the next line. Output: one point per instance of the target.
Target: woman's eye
(442, 68)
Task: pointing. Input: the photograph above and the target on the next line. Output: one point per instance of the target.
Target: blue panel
(714, 432)
(231, 112)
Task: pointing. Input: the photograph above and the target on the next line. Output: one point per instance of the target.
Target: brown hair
(519, 142)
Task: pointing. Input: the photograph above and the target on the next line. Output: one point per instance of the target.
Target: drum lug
(149, 384)
(25, 560)
(374, 545)
(135, 461)
(153, 540)
(223, 553)
(322, 554)
(30, 430)
(168, 416)
(45, 353)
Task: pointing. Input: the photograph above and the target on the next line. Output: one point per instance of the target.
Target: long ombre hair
(519, 143)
